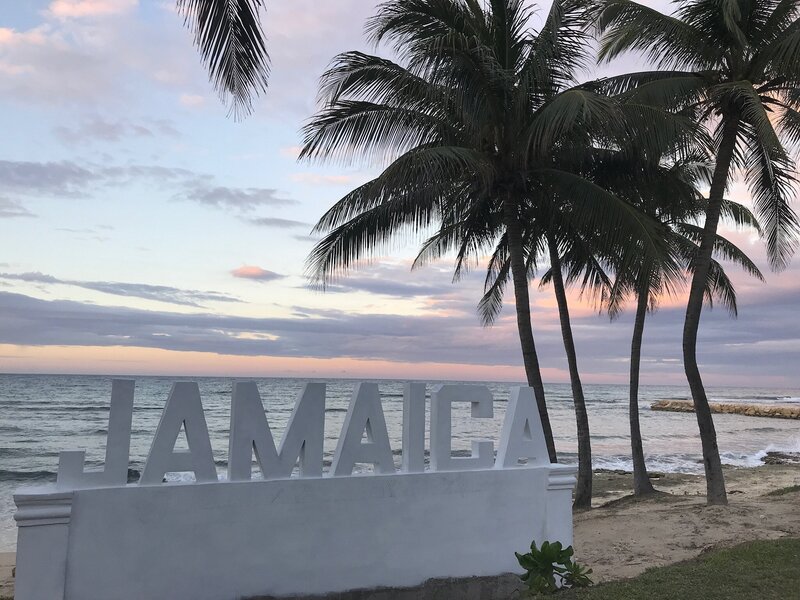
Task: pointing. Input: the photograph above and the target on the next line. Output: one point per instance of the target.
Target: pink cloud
(70, 60)
(12, 37)
(70, 9)
(255, 273)
(291, 152)
(192, 100)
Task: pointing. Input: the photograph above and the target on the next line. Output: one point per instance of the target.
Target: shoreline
(622, 536)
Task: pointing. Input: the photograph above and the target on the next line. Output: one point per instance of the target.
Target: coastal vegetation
(494, 150)
(484, 135)
(736, 65)
(550, 569)
(673, 199)
(231, 41)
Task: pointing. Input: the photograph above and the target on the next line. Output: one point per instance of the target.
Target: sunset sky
(144, 232)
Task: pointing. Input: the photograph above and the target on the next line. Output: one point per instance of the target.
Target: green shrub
(550, 568)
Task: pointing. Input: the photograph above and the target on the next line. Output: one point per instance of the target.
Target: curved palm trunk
(519, 275)
(583, 490)
(641, 481)
(715, 480)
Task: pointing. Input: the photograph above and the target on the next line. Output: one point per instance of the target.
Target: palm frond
(665, 40)
(770, 176)
(497, 276)
(366, 234)
(375, 132)
(779, 15)
(719, 287)
(568, 111)
(723, 248)
(231, 41)
(740, 215)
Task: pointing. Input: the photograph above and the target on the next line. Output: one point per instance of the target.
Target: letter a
(522, 435)
(364, 413)
(184, 409)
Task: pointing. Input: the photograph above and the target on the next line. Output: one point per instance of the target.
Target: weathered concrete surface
(499, 587)
(750, 410)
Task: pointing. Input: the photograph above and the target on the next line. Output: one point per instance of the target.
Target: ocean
(41, 415)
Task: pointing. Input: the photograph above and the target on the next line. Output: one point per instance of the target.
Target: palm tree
(738, 63)
(230, 39)
(536, 242)
(583, 494)
(669, 194)
(578, 250)
(471, 126)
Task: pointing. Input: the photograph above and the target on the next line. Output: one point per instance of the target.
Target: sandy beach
(622, 536)
(6, 580)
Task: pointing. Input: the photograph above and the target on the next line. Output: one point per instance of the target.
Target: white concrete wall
(90, 538)
(221, 541)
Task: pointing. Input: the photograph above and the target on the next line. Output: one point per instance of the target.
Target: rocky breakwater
(750, 410)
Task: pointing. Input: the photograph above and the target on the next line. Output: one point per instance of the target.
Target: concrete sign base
(225, 540)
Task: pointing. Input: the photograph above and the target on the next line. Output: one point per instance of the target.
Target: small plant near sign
(550, 568)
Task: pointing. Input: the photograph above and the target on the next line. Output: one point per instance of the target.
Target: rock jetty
(781, 458)
(750, 410)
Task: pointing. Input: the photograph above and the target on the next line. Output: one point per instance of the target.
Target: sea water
(41, 415)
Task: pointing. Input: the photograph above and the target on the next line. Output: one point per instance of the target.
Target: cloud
(255, 273)
(418, 338)
(43, 66)
(292, 152)
(70, 9)
(333, 27)
(62, 178)
(239, 198)
(158, 293)
(69, 179)
(763, 345)
(98, 129)
(318, 179)
(192, 100)
(10, 209)
(86, 53)
(97, 234)
(386, 287)
(277, 223)
(395, 278)
(30, 277)
(30, 321)
(308, 239)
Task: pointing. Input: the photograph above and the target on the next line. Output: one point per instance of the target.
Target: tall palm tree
(670, 195)
(470, 125)
(738, 63)
(230, 39)
(581, 414)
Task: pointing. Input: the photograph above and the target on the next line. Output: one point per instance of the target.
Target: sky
(143, 231)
